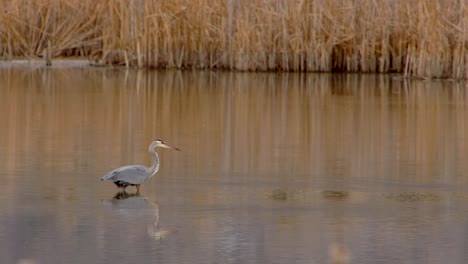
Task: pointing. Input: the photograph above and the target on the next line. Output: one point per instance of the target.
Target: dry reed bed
(425, 38)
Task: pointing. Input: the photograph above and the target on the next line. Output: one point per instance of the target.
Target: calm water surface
(275, 168)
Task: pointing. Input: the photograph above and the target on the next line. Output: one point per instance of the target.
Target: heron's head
(160, 143)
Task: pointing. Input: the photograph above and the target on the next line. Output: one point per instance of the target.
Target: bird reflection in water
(157, 232)
(124, 195)
(131, 205)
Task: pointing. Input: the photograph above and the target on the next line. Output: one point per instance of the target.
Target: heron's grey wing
(134, 174)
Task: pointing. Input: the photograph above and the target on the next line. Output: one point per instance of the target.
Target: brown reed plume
(424, 38)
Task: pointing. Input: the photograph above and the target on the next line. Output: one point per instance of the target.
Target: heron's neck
(155, 167)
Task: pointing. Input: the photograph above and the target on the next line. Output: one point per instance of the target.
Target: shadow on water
(335, 195)
(134, 205)
(408, 197)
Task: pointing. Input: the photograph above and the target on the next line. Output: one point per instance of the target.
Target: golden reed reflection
(63, 127)
(280, 125)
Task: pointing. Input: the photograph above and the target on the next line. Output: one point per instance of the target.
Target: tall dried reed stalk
(425, 38)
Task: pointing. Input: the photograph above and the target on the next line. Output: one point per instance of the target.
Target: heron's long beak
(164, 145)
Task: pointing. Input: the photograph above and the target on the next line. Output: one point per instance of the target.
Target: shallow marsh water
(274, 168)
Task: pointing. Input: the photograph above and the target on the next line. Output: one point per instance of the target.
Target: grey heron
(135, 175)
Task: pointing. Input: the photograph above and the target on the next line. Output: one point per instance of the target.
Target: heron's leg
(138, 188)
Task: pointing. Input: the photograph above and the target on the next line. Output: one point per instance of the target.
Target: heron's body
(135, 175)
(128, 175)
